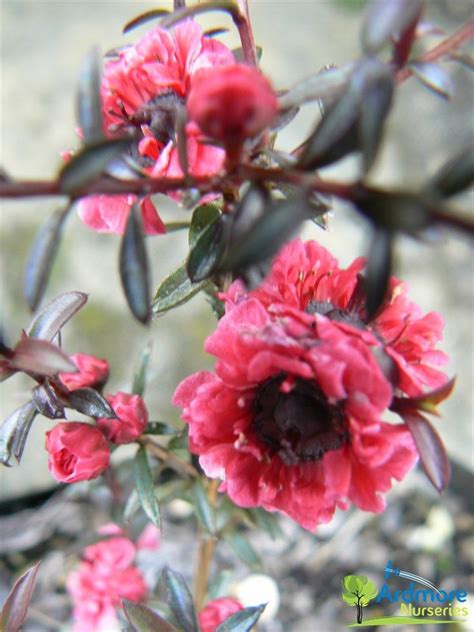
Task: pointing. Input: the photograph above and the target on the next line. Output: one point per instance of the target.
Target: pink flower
(132, 418)
(291, 419)
(149, 538)
(232, 103)
(77, 452)
(105, 576)
(217, 611)
(141, 93)
(92, 372)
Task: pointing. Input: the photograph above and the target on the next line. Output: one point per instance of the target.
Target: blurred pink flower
(92, 372)
(149, 538)
(132, 418)
(217, 611)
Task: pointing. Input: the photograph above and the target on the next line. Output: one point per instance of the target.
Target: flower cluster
(291, 419)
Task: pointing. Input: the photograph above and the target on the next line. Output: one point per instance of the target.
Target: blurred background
(43, 44)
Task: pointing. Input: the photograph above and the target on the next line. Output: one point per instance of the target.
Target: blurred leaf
(243, 620)
(41, 258)
(432, 452)
(203, 216)
(143, 18)
(176, 290)
(144, 619)
(159, 428)
(182, 139)
(427, 402)
(89, 101)
(176, 488)
(91, 403)
(131, 506)
(378, 270)
(204, 511)
(228, 6)
(46, 401)
(456, 175)
(14, 432)
(238, 54)
(268, 522)
(180, 600)
(328, 83)
(394, 210)
(284, 118)
(463, 58)
(250, 210)
(134, 272)
(49, 321)
(434, 77)
(172, 227)
(115, 52)
(89, 163)
(16, 606)
(384, 20)
(215, 32)
(145, 486)
(243, 549)
(40, 356)
(140, 377)
(207, 252)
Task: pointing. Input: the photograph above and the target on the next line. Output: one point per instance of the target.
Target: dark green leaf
(144, 619)
(204, 511)
(378, 270)
(207, 252)
(432, 452)
(176, 290)
(89, 101)
(239, 54)
(394, 210)
(90, 163)
(14, 432)
(40, 356)
(159, 428)
(134, 272)
(243, 549)
(171, 227)
(42, 255)
(228, 6)
(15, 608)
(180, 600)
(327, 84)
(139, 380)
(91, 403)
(203, 216)
(145, 486)
(384, 20)
(284, 118)
(433, 77)
(47, 402)
(266, 521)
(250, 210)
(49, 321)
(143, 18)
(456, 175)
(243, 620)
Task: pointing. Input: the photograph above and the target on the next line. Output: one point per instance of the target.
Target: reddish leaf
(16, 605)
(144, 619)
(40, 356)
(55, 315)
(14, 432)
(426, 402)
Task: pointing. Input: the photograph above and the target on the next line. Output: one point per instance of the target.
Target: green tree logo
(358, 590)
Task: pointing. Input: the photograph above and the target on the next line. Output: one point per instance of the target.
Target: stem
(206, 553)
(242, 22)
(177, 464)
(463, 34)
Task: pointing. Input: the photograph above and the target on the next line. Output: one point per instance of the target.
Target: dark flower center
(300, 425)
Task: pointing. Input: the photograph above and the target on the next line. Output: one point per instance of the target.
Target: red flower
(132, 418)
(291, 418)
(217, 611)
(232, 103)
(92, 372)
(105, 577)
(141, 93)
(77, 452)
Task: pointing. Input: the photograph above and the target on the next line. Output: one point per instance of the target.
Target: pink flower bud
(132, 418)
(232, 103)
(217, 611)
(92, 371)
(77, 452)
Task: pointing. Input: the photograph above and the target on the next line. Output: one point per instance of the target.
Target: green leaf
(139, 379)
(143, 18)
(433, 77)
(394, 210)
(384, 20)
(145, 486)
(89, 101)
(144, 619)
(378, 270)
(41, 258)
(49, 321)
(207, 252)
(238, 53)
(180, 600)
(244, 550)
(243, 620)
(228, 6)
(15, 608)
(456, 175)
(268, 522)
(90, 402)
(134, 269)
(14, 432)
(204, 511)
(160, 428)
(176, 290)
(203, 216)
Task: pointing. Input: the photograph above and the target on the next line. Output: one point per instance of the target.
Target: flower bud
(77, 452)
(232, 103)
(217, 611)
(132, 418)
(92, 372)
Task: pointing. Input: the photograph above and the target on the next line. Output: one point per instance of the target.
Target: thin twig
(206, 553)
(244, 26)
(177, 464)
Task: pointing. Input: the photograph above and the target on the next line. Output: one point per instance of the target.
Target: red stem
(243, 24)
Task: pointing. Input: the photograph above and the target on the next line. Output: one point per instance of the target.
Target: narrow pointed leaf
(180, 600)
(49, 321)
(203, 216)
(432, 452)
(244, 550)
(40, 356)
(427, 402)
(228, 6)
(394, 210)
(243, 620)
(153, 14)
(251, 209)
(145, 486)
(385, 19)
(47, 402)
(89, 402)
(89, 102)
(207, 252)
(14, 432)
(144, 619)
(433, 77)
(378, 270)
(456, 175)
(139, 380)
(329, 83)
(134, 271)
(215, 32)
(176, 290)
(90, 163)
(204, 511)
(266, 521)
(15, 608)
(42, 255)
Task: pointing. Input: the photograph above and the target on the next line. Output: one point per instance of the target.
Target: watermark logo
(416, 605)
